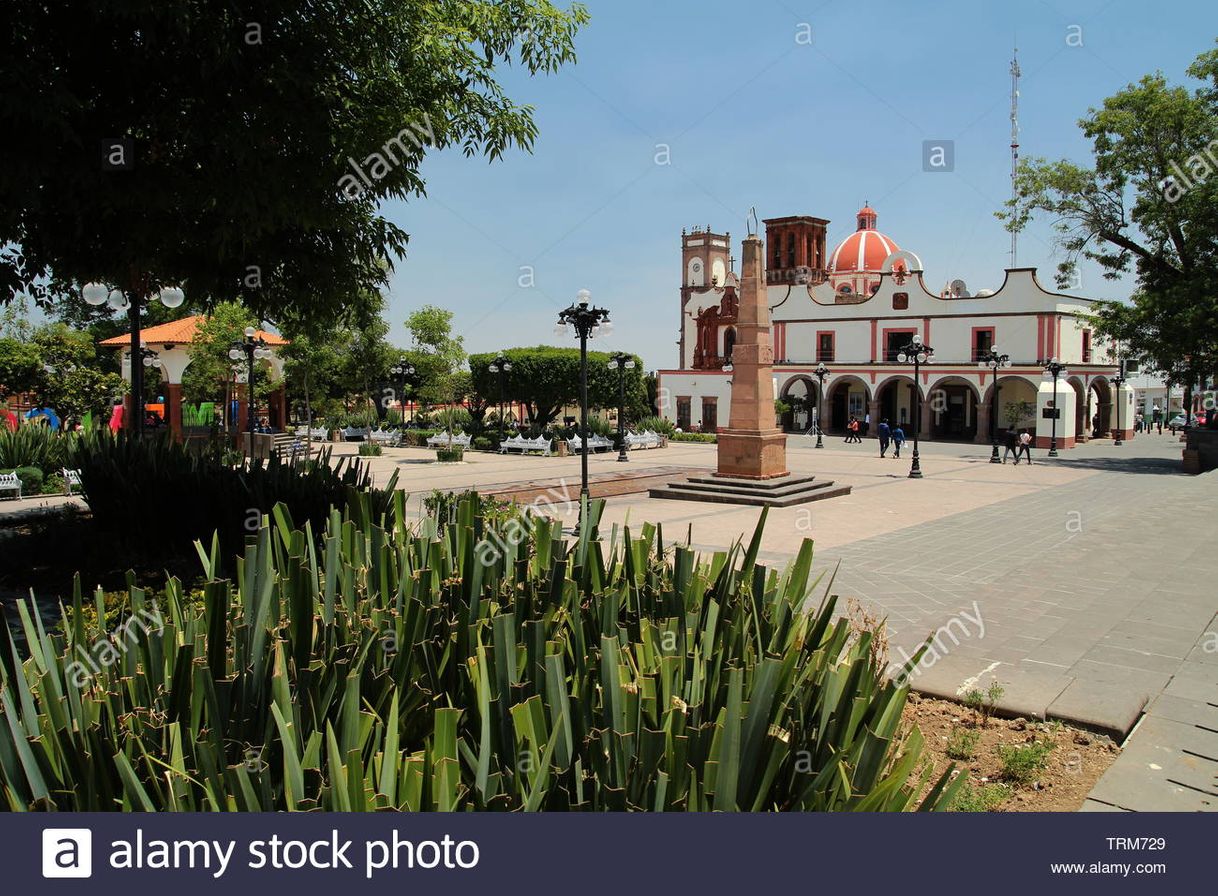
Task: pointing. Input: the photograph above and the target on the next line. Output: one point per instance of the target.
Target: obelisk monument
(752, 447)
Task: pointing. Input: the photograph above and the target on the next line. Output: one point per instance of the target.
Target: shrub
(655, 424)
(31, 479)
(1024, 763)
(369, 449)
(985, 798)
(35, 446)
(482, 443)
(962, 743)
(417, 438)
(158, 492)
(54, 485)
(708, 437)
(411, 669)
(451, 455)
(984, 703)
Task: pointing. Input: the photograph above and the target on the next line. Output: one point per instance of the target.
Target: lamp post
(1119, 380)
(621, 362)
(918, 353)
(501, 367)
(133, 302)
(821, 373)
(995, 362)
(1054, 369)
(251, 347)
(588, 322)
(402, 370)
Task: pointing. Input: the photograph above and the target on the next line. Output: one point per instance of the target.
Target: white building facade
(854, 309)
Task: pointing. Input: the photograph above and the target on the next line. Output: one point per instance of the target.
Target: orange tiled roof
(179, 332)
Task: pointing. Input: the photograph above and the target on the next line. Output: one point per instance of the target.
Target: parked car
(1179, 421)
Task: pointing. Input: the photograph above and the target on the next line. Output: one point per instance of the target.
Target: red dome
(863, 250)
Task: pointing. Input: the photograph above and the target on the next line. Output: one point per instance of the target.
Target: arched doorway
(1016, 406)
(803, 396)
(1082, 431)
(1099, 408)
(729, 343)
(847, 396)
(952, 405)
(896, 402)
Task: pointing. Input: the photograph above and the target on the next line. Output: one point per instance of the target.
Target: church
(854, 309)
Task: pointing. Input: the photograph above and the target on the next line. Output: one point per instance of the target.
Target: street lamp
(402, 371)
(1118, 381)
(133, 303)
(588, 322)
(916, 352)
(1054, 369)
(995, 362)
(251, 347)
(821, 373)
(621, 362)
(501, 367)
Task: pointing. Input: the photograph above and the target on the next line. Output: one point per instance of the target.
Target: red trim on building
(874, 326)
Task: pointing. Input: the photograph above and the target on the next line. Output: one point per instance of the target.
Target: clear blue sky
(753, 118)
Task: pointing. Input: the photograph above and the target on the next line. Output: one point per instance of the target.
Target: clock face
(696, 267)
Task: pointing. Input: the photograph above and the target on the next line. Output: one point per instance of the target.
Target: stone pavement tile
(1198, 688)
(1203, 654)
(1152, 628)
(1099, 706)
(1153, 643)
(1090, 805)
(1140, 682)
(1180, 709)
(1133, 659)
(1062, 649)
(1159, 610)
(1154, 773)
(1027, 691)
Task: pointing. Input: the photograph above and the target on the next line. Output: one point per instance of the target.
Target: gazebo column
(173, 408)
(983, 424)
(243, 412)
(279, 408)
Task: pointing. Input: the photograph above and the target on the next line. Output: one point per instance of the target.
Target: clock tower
(705, 263)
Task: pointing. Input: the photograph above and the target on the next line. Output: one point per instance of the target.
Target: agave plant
(456, 664)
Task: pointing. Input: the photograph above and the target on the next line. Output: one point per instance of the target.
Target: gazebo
(171, 342)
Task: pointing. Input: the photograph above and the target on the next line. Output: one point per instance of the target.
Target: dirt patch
(1013, 765)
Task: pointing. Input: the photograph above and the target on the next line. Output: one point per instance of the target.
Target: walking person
(884, 431)
(852, 430)
(898, 439)
(866, 427)
(1156, 416)
(1010, 446)
(1025, 447)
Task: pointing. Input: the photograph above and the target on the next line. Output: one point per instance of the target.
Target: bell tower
(704, 259)
(796, 250)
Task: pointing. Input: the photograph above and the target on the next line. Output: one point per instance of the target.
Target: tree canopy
(243, 150)
(1147, 205)
(546, 379)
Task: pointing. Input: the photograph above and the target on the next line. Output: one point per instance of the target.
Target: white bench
(355, 434)
(71, 479)
(443, 440)
(524, 446)
(10, 482)
(316, 434)
(645, 439)
(595, 443)
(390, 438)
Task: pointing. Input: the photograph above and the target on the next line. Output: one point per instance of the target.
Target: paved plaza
(1081, 584)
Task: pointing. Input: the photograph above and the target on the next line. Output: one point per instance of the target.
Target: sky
(683, 113)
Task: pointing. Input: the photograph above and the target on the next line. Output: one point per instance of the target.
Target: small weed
(962, 744)
(983, 703)
(1024, 763)
(985, 798)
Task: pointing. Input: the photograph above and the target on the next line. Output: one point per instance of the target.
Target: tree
(68, 378)
(436, 354)
(210, 371)
(20, 367)
(546, 380)
(1148, 204)
(244, 150)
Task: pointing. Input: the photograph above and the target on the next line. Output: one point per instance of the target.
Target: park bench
(317, 433)
(10, 482)
(643, 440)
(443, 440)
(390, 438)
(71, 478)
(291, 447)
(595, 443)
(524, 446)
(355, 434)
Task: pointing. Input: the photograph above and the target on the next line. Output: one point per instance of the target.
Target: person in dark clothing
(884, 431)
(1011, 446)
(898, 439)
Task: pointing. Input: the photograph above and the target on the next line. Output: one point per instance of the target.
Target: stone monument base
(752, 454)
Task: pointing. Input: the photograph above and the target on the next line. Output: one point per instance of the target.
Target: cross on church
(731, 262)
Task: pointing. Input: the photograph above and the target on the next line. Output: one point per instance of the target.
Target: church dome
(865, 249)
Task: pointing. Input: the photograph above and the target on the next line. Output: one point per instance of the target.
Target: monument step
(811, 492)
(765, 486)
(737, 487)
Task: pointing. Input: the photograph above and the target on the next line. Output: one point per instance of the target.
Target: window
(825, 348)
(729, 343)
(710, 415)
(1086, 346)
(894, 342)
(983, 341)
(683, 412)
(900, 301)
